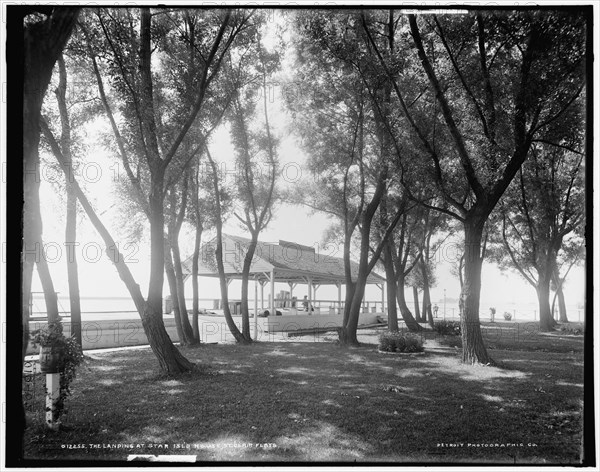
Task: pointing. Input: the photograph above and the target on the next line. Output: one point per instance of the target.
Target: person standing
(307, 306)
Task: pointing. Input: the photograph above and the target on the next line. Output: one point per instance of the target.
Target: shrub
(445, 327)
(387, 342)
(413, 344)
(569, 329)
(507, 316)
(400, 342)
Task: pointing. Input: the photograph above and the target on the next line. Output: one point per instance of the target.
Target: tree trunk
(415, 292)
(350, 288)
(562, 307)
(169, 358)
(347, 333)
(461, 266)
(72, 272)
(224, 290)
(185, 320)
(427, 313)
(474, 350)
(195, 257)
(547, 322)
(347, 274)
(170, 272)
(71, 223)
(390, 281)
(245, 280)
(48, 287)
(173, 258)
(219, 253)
(411, 323)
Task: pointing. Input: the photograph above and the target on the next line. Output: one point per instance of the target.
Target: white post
(309, 295)
(52, 395)
(255, 308)
(339, 286)
(262, 296)
(383, 299)
(292, 287)
(272, 304)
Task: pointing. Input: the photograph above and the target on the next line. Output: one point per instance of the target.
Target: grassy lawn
(308, 399)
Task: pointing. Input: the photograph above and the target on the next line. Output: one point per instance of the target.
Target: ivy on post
(59, 358)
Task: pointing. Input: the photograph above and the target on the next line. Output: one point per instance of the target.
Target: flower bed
(396, 342)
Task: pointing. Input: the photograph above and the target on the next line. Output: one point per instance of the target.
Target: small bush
(413, 344)
(387, 342)
(448, 328)
(568, 329)
(400, 342)
(507, 316)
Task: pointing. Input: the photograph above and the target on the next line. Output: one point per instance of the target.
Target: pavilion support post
(339, 287)
(292, 287)
(310, 297)
(382, 286)
(315, 288)
(272, 304)
(262, 296)
(255, 308)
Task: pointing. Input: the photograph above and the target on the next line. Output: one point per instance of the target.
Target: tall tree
(434, 224)
(573, 249)
(41, 33)
(173, 263)
(157, 127)
(220, 211)
(45, 32)
(406, 259)
(541, 208)
(525, 70)
(201, 215)
(338, 124)
(256, 185)
(71, 223)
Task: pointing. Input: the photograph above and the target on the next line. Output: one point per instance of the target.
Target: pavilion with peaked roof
(283, 262)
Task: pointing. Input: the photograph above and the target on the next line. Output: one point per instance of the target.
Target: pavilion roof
(291, 262)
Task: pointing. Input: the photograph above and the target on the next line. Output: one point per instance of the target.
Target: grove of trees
(417, 126)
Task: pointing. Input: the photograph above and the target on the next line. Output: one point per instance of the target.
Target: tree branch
(562, 146)
(446, 111)
(468, 90)
(512, 256)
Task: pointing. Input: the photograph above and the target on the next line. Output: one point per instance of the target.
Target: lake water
(110, 307)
